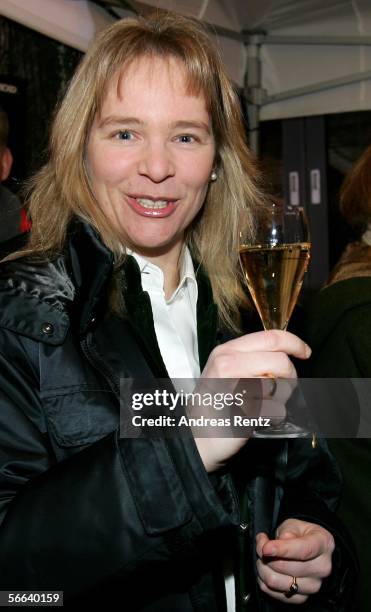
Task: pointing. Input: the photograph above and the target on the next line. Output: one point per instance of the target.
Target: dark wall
(40, 68)
(346, 137)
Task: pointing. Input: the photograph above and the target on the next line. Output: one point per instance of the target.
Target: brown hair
(61, 189)
(355, 194)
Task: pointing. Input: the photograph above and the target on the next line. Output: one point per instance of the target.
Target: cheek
(198, 175)
(197, 199)
(106, 167)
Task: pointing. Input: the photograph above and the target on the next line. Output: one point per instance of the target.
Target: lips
(148, 206)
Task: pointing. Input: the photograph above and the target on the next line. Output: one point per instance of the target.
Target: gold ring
(293, 589)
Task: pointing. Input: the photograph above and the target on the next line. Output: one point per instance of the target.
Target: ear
(6, 162)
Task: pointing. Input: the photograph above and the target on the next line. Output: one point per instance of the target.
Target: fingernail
(272, 553)
(309, 351)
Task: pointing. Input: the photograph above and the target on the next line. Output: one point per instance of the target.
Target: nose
(156, 162)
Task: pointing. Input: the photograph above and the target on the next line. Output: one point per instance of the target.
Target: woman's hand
(301, 550)
(262, 354)
(255, 355)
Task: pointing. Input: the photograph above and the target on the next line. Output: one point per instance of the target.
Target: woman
(339, 329)
(148, 158)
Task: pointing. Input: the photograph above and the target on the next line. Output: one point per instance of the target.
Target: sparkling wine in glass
(274, 265)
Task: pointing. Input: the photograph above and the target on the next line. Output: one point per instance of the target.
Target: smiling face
(150, 155)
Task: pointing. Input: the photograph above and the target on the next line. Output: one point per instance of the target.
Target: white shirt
(175, 319)
(175, 322)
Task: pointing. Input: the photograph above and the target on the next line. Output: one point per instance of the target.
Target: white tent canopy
(302, 57)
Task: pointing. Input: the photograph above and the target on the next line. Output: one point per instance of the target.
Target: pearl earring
(213, 176)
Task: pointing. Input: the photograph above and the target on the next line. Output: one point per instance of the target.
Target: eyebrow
(117, 120)
(134, 121)
(184, 125)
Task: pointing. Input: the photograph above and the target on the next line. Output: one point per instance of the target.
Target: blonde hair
(61, 188)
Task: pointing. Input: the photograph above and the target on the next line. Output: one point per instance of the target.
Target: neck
(171, 277)
(168, 262)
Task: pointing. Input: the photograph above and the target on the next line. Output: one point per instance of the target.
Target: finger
(268, 387)
(291, 528)
(295, 599)
(307, 585)
(296, 548)
(318, 568)
(286, 533)
(265, 365)
(236, 364)
(278, 586)
(284, 389)
(272, 340)
(277, 388)
(260, 541)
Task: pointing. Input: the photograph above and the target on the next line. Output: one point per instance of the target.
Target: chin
(149, 248)
(152, 243)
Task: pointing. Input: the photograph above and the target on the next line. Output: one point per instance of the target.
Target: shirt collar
(155, 275)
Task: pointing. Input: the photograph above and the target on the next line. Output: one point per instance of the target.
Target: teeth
(152, 204)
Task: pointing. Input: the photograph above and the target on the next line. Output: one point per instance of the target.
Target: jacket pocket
(81, 416)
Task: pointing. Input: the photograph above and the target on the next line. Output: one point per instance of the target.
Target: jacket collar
(39, 299)
(91, 265)
(355, 262)
(46, 293)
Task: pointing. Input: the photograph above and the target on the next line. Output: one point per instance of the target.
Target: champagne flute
(274, 265)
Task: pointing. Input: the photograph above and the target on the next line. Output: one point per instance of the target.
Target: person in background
(338, 328)
(13, 219)
(132, 271)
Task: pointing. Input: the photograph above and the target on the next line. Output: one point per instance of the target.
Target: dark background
(40, 68)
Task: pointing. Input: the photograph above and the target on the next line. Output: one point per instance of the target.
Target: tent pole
(253, 119)
(253, 92)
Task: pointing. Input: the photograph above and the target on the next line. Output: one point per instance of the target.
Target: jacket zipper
(99, 365)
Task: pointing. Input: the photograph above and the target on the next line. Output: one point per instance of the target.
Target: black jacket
(131, 524)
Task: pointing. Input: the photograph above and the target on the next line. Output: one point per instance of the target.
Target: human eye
(124, 135)
(186, 138)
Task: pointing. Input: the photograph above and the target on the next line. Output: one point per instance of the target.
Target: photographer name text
(201, 421)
